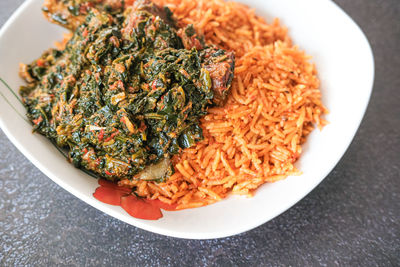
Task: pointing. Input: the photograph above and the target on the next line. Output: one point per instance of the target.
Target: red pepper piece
(38, 120)
(120, 84)
(101, 135)
(162, 205)
(85, 32)
(140, 209)
(40, 62)
(112, 136)
(114, 186)
(109, 195)
(153, 85)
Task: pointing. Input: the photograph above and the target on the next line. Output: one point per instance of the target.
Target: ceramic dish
(346, 69)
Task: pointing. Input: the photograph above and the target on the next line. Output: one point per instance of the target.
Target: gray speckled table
(352, 218)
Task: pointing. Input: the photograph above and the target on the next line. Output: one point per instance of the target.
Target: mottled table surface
(351, 218)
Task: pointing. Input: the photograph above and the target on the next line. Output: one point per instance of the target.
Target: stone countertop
(351, 218)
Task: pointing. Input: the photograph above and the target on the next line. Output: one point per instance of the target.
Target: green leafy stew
(128, 90)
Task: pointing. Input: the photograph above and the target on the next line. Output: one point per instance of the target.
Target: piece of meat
(140, 10)
(220, 64)
(190, 38)
(70, 15)
(59, 12)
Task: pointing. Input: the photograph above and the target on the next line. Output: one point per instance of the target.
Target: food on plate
(72, 13)
(148, 209)
(180, 102)
(126, 94)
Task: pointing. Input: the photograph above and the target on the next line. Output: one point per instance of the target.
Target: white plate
(346, 69)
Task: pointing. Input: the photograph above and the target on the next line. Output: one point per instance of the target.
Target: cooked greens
(127, 92)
